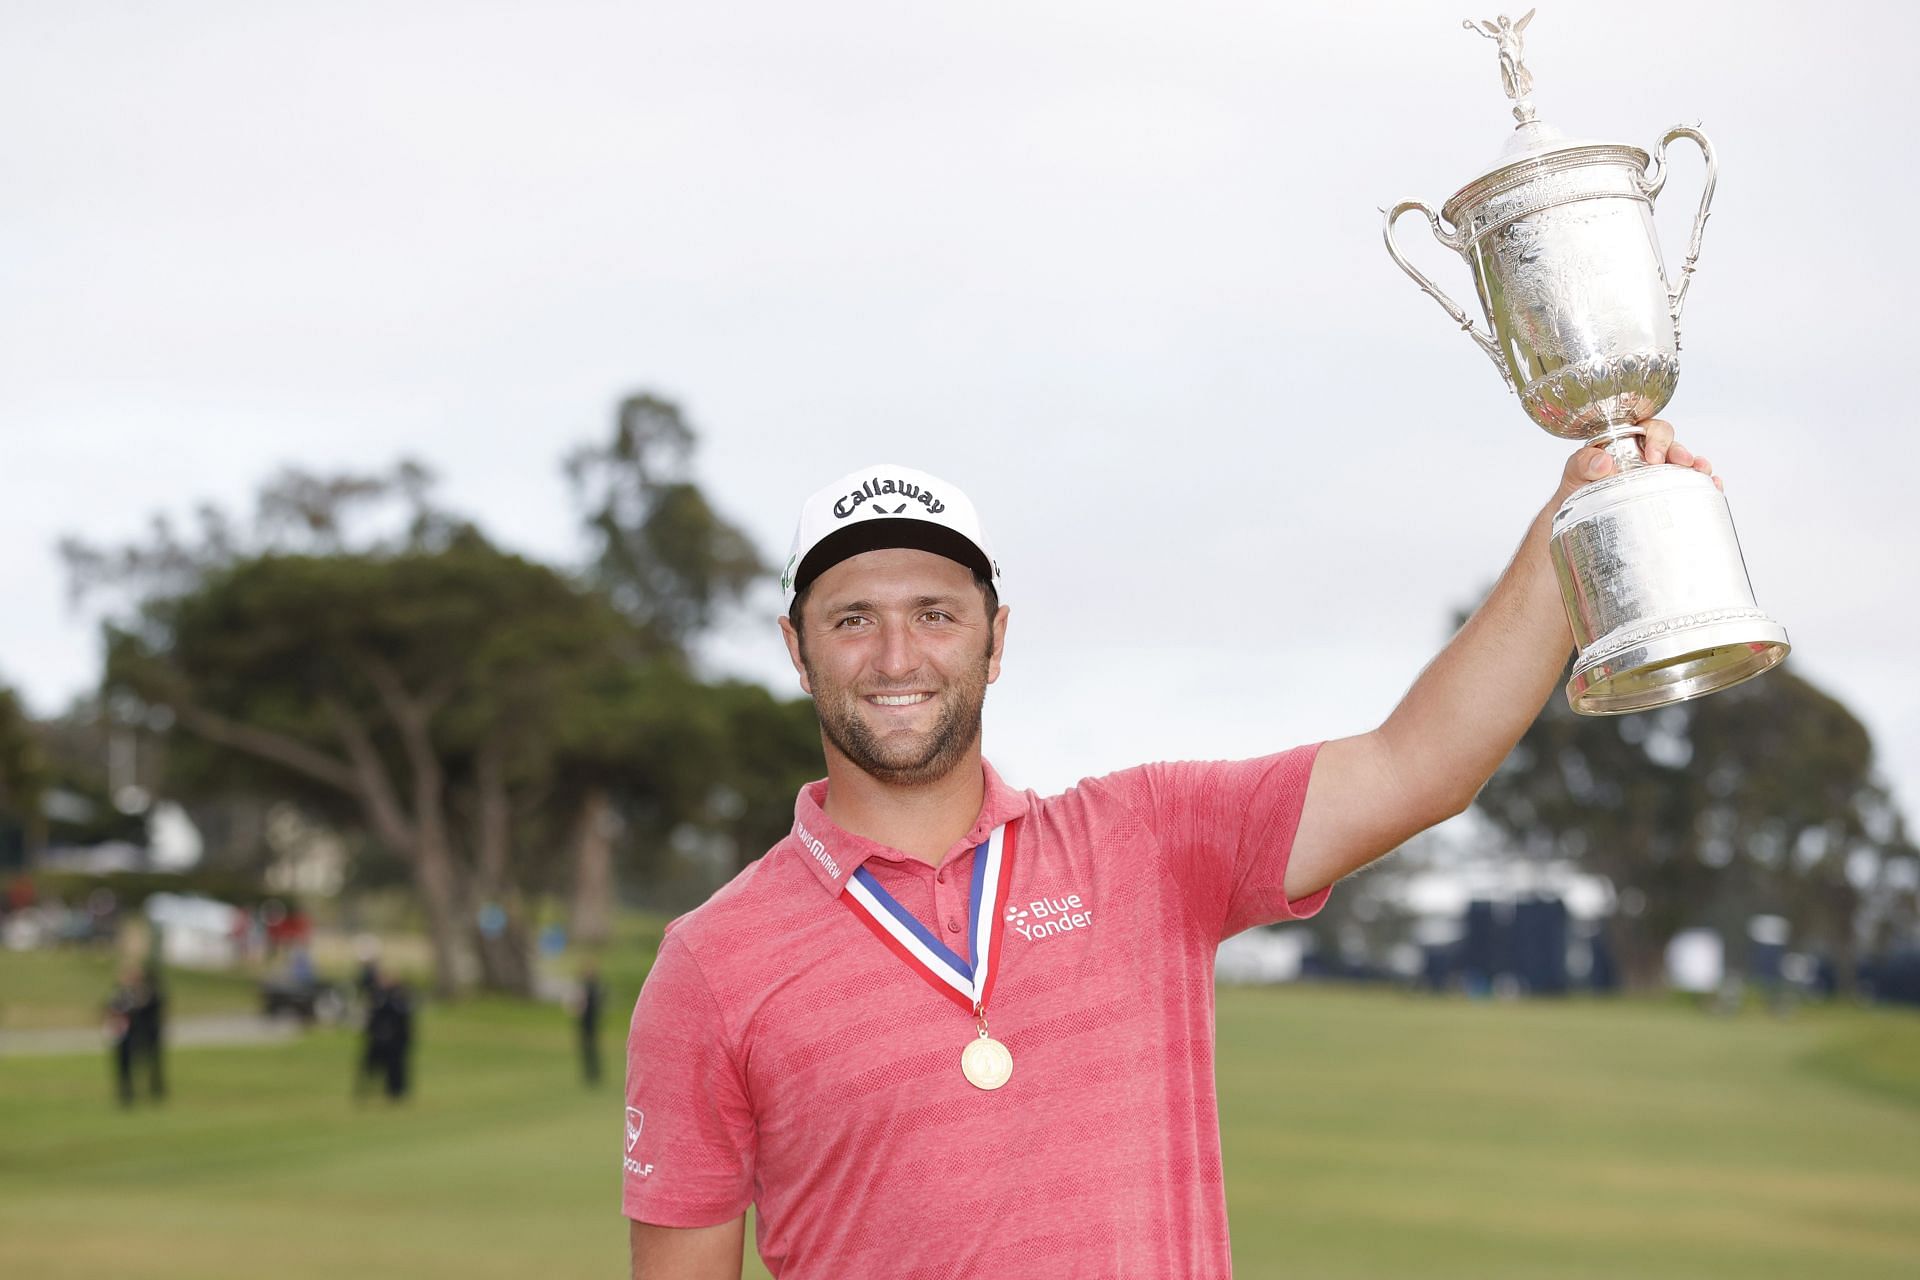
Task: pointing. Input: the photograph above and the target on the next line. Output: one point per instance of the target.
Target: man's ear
(792, 638)
(999, 644)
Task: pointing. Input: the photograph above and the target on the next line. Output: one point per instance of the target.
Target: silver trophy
(1584, 325)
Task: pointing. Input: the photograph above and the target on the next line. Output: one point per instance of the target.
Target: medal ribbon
(967, 985)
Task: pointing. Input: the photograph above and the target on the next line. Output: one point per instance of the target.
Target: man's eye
(934, 615)
(850, 622)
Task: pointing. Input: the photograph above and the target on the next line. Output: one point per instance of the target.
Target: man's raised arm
(1464, 713)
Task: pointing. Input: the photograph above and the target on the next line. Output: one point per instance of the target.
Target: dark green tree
(23, 778)
(421, 686)
(671, 565)
(492, 723)
(664, 556)
(1760, 798)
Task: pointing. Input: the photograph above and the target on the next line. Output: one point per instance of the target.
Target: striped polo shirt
(781, 1056)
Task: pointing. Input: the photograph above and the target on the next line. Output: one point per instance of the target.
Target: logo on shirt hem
(636, 1121)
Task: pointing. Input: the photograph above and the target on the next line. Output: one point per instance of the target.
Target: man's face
(898, 652)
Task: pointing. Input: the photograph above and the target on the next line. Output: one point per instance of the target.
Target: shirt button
(941, 876)
(953, 926)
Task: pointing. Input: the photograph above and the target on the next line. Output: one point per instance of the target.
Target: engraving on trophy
(1583, 322)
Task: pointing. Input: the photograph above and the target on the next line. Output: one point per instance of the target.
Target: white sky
(1114, 268)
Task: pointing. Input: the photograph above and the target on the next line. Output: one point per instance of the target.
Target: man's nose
(899, 656)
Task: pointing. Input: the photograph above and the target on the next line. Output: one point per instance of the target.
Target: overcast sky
(1114, 268)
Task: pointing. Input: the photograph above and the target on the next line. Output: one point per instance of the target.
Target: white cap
(885, 506)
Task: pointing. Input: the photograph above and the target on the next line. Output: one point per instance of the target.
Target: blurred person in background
(585, 1007)
(134, 1021)
(387, 1044)
(948, 1027)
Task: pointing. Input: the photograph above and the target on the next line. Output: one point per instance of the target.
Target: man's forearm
(1373, 791)
(1469, 707)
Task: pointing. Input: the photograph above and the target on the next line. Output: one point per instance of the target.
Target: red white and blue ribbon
(967, 984)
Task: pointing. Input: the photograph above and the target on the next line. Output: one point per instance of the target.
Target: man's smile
(898, 699)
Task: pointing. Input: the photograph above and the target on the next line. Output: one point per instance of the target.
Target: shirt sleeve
(1226, 829)
(690, 1137)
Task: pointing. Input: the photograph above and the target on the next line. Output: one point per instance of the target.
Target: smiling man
(948, 1028)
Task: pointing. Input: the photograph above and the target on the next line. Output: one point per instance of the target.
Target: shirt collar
(833, 854)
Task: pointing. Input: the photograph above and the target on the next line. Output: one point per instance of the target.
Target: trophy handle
(1656, 178)
(1432, 290)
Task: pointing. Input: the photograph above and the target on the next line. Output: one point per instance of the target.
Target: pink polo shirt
(782, 1056)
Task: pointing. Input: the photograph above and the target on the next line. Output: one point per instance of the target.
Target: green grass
(1377, 1135)
(1367, 1134)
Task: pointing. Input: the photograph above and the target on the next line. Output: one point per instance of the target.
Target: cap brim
(882, 533)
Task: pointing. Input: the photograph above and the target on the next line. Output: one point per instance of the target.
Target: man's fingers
(1658, 439)
(1588, 464)
(1657, 446)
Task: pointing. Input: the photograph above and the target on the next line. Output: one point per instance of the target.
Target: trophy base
(1688, 664)
(1656, 592)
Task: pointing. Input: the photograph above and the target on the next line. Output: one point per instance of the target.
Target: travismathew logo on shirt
(877, 488)
(818, 850)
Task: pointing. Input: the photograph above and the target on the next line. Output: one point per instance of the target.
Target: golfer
(948, 1028)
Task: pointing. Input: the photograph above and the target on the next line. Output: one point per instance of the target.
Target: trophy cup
(1583, 324)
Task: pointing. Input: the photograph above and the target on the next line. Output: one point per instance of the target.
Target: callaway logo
(1044, 917)
(636, 1120)
(786, 575)
(877, 488)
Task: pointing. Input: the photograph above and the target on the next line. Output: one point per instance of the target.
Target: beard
(903, 759)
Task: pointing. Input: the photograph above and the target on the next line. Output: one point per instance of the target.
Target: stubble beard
(923, 760)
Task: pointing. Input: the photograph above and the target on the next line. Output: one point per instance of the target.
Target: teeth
(900, 699)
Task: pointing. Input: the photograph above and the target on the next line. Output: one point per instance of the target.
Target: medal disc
(986, 1063)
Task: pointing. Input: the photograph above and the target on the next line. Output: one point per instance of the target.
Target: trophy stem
(1624, 447)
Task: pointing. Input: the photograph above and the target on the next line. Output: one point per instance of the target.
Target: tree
(421, 685)
(1760, 798)
(23, 777)
(489, 721)
(295, 513)
(664, 556)
(669, 564)
(360, 649)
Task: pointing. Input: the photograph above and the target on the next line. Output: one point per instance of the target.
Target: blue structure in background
(1540, 945)
(1894, 976)
(1520, 946)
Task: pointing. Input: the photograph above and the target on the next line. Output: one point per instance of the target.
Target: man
(586, 1017)
(134, 1013)
(946, 1028)
(388, 1036)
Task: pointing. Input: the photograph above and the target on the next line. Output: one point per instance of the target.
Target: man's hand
(1658, 447)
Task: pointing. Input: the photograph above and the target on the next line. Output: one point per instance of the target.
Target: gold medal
(986, 1063)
